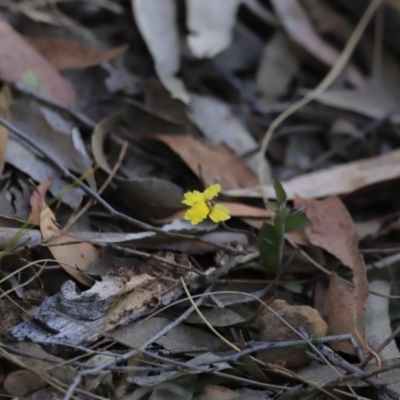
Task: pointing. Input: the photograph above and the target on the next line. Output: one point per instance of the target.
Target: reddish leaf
(66, 54)
(332, 229)
(21, 63)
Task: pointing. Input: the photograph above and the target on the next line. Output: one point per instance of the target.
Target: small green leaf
(294, 287)
(296, 220)
(273, 205)
(279, 192)
(268, 242)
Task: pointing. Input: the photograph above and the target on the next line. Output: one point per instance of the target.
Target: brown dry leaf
(20, 63)
(219, 164)
(332, 229)
(5, 102)
(236, 210)
(299, 27)
(73, 258)
(66, 54)
(22, 383)
(36, 201)
(273, 329)
(345, 178)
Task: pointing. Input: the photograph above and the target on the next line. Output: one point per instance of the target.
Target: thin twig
(335, 359)
(156, 257)
(80, 117)
(91, 201)
(113, 212)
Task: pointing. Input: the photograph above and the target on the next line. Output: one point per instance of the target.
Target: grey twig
(335, 359)
(82, 118)
(113, 212)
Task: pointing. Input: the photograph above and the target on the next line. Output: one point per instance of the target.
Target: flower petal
(219, 213)
(212, 191)
(191, 198)
(197, 213)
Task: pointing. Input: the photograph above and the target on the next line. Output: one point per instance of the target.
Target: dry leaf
(219, 124)
(20, 63)
(236, 210)
(332, 229)
(345, 178)
(219, 164)
(72, 258)
(22, 383)
(277, 67)
(5, 102)
(157, 22)
(66, 54)
(141, 193)
(301, 31)
(210, 24)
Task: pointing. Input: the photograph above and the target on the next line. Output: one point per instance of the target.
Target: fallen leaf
(276, 68)
(301, 31)
(332, 229)
(236, 210)
(210, 24)
(55, 135)
(342, 179)
(5, 102)
(72, 258)
(39, 170)
(142, 193)
(36, 201)
(20, 63)
(157, 22)
(66, 54)
(219, 164)
(219, 124)
(22, 383)
(378, 320)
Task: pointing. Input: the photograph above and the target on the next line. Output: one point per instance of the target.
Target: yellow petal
(212, 191)
(191, 198)
(197, 213)
(219, 213)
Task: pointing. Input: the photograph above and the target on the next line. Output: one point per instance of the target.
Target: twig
(156, 257)
(255, 346)
(91, 201)
(80, 117)
(380, 347)
(113, 212)
(322, 86)
(335, 359)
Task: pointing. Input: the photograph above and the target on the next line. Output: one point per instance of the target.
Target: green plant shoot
(271, 238)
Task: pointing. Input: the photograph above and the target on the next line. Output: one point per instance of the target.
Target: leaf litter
(110, 112)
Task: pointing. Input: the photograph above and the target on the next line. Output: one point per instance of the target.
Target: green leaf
(279, 192)
(296, 220)
(273, 205)
(268, 242)
(293, 287)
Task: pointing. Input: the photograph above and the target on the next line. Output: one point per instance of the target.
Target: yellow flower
(202, 206)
